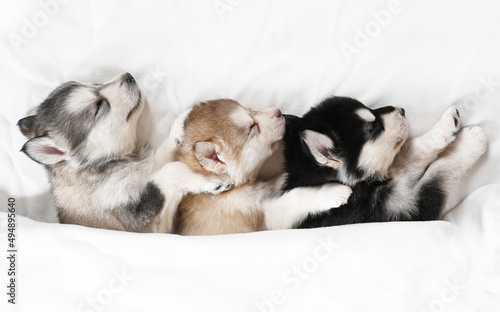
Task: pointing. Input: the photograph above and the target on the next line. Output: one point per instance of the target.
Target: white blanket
(422, 55)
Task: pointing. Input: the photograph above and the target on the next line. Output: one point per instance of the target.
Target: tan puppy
(224, 138)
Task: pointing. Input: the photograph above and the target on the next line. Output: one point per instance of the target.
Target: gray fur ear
(320, 147)
(43, 150)
(27, 126)
(208, 155)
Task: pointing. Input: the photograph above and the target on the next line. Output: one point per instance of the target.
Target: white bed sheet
(421, 55)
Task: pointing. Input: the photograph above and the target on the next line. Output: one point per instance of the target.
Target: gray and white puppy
(86, 136)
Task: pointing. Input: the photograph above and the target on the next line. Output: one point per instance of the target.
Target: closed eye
(253, 128)
(377, 125)
(99, 105)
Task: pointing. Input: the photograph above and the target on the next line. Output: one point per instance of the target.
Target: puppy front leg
(287, 210)
(176, 180)
(418, 153)
(165, 153)
(412, 162)
(443, 175)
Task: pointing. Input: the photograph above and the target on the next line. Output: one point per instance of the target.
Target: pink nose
(278, 113)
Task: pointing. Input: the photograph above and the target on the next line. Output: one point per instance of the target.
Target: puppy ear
(320, 147)
(43, 150)
(208, 155)
(27, 126)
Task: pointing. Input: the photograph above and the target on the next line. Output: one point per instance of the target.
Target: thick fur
(223, 137)
(86, 137)
(388, 184)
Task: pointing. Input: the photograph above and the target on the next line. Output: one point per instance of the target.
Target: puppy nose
(127, 77)
(402, 111)
(278, 113)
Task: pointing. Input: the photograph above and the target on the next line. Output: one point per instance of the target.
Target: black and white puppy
(341, 140)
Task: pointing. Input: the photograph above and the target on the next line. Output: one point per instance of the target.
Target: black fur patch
(431, 200)
(141, 213)
(300, 165)
(366, 204)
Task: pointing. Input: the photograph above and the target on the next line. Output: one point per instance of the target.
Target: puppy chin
(137, 109)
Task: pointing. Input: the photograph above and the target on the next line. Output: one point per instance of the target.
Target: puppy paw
(217, 184)
(445, 131)
(471, 143)
(335, 194)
